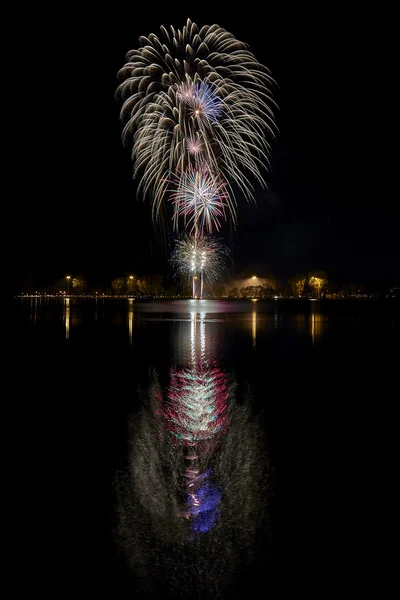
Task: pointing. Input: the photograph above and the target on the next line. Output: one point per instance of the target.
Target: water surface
(307, 389)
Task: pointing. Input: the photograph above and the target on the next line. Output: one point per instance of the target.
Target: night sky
(332, 203)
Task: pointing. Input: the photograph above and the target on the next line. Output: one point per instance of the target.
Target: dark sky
(333, 201)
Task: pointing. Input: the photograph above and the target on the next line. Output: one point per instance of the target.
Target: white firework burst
(201, 198)
(205, 256)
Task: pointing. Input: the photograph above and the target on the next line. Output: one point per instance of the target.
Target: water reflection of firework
(223, 495)
(196, 411)
(203, 498)
(194, 493)
(197, 402)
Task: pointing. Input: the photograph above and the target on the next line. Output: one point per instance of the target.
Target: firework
(203, 258)
(191, 93)
(206, 106)
(206, 253)
(194, 146)
(201, 198)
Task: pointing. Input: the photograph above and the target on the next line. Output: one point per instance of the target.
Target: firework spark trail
(194, 92)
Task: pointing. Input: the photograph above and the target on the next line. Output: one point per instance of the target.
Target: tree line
(316, 284)
(127, 285)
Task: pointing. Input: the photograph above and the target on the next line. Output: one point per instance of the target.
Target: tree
(118, 285)
(132, 284)
(297, 284)
(269, 285)
(217, 290)
(170, 292)
(143, 286)
(233, 293)
(79, 284)
(268, 289)
(318, 281)
(156, 285)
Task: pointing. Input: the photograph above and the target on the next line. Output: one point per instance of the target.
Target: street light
(68, 278)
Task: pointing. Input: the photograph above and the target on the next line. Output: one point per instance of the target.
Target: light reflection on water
(130, 320)
(67, 314)
(316, 322)
(127, 324)
(305, 320)
(254, 326)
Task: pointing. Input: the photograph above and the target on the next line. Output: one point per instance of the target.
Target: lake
(200, 448)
